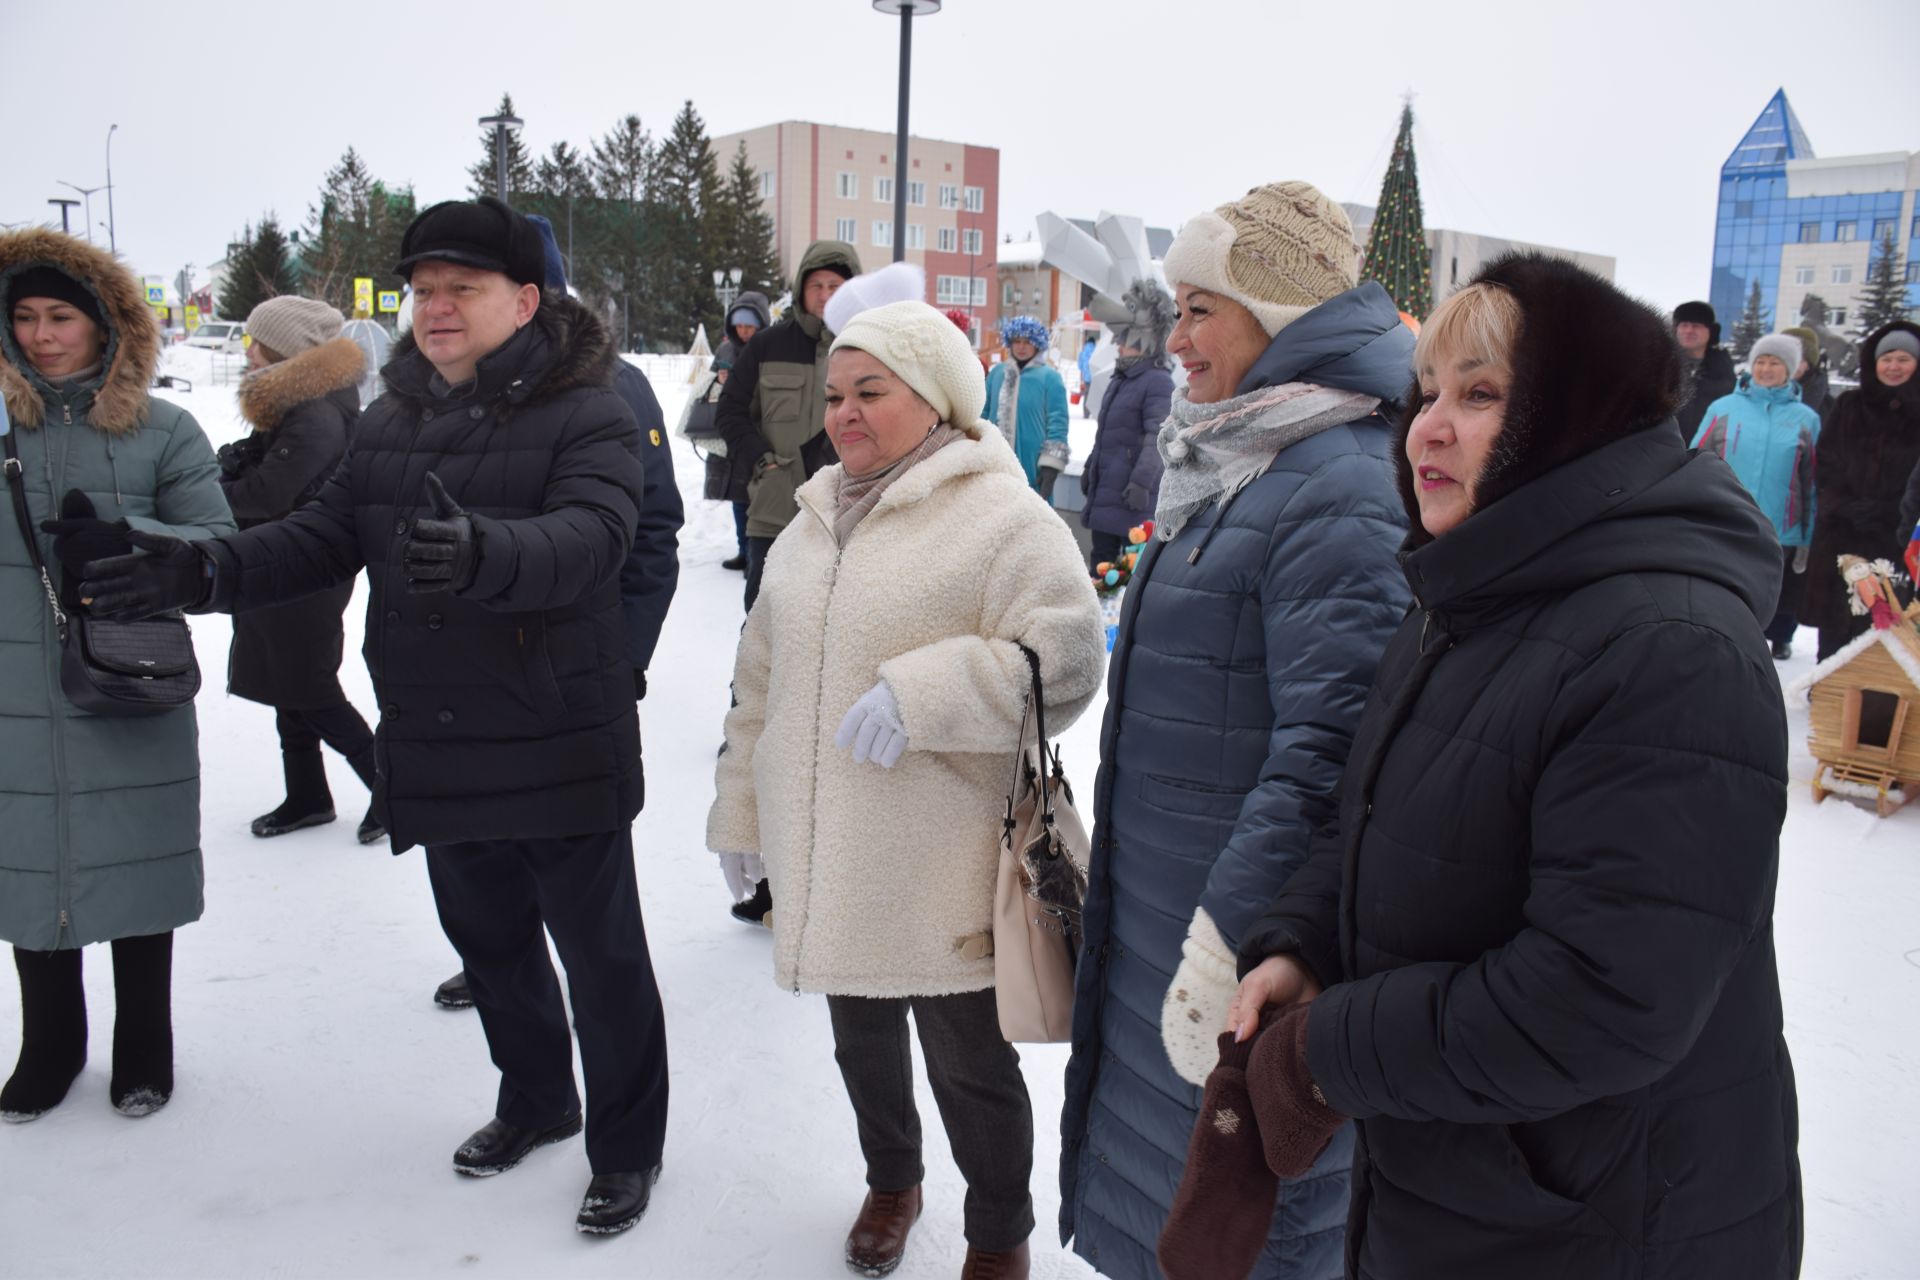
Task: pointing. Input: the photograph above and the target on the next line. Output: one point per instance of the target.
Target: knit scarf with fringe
(1213, 451)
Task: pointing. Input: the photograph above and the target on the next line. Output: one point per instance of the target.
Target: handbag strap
(1037, 706)
(16, 481)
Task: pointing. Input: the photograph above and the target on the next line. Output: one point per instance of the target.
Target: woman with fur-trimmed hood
(103, 813)
(879, 691)
(301, 397)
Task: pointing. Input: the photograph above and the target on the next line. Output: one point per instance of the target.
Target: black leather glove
(639, 685)
(80, 537)
(236, 455)
(441, 554)
(1136, 498)
(162, 574)
(1049, 476)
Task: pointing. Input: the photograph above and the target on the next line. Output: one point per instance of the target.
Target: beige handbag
(1041, 887)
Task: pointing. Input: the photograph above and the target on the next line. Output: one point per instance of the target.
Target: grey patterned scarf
(1213, 451)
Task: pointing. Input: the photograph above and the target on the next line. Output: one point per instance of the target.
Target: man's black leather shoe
(499, 1146)
(615, 1201)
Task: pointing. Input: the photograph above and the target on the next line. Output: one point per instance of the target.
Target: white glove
(872, 728)
(744, 872)
(1195, 1011)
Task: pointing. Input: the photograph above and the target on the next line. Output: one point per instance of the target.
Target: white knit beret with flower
(926, 351)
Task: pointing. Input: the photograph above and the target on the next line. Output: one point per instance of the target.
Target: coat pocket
(536, 664)
(786, 419)
(1178, 795)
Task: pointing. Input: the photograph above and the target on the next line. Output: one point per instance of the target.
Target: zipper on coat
(57, 719)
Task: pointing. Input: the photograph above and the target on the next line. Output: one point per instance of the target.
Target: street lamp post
(906, 9)
(726, 287)
(66, 206)
(501, 126)
(113, 241)
(86, 193)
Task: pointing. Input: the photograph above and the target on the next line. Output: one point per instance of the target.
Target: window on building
(1837, 318)
(976, 200)
(882, 234)
(1743, 208)
(917, 194)
(1803, 275)
(1882, 229)
(766, 184)
(847, 186)
(1913, 273)
(1916, 227)
(883, 190)
(1843, 275)
(952, 290)
(971, 241)
(1845, 231)
(847, 229)
(1809, 233)
(916, 235)
(949, 196)
(979, 296)
(1009, 296)
(944, 238)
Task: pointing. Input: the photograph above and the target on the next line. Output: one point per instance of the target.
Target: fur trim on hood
(121, 403)
(1590, 366)
(267, 396)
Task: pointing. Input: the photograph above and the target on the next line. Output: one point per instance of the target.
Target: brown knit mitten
(1295, 1122)
(1224, 1207)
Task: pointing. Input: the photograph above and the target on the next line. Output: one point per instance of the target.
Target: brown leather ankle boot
(1013, 1264)
(879, 1237)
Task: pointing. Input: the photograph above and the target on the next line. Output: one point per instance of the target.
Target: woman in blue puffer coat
(1122, 475)
(1250, 634)
(1769, 437)
(1027, 400)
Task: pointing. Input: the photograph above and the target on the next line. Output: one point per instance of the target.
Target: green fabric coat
(101, 815)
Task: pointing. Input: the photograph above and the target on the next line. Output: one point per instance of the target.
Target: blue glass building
(1778, 201)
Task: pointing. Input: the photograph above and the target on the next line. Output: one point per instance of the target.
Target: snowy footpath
(321, 1093)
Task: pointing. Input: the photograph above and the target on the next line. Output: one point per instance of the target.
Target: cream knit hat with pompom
(925, 351)
(1280, 252)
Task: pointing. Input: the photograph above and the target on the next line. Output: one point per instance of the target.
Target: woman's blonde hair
(1480, 323)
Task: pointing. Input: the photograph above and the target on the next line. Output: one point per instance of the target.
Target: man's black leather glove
(80, 537)
(163, 574)
(441, 554)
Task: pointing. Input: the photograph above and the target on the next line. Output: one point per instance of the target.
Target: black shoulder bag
(110, 668)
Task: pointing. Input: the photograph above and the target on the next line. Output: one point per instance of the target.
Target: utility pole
(66, 205)
(906, 9)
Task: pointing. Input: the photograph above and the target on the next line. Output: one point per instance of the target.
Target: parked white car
(220, 335)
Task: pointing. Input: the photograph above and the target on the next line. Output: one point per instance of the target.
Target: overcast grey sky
(1599, 127)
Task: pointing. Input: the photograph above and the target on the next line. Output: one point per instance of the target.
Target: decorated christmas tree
(1397, 254)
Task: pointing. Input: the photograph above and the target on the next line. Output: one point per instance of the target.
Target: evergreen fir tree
(1752, 325)
(272, 264)
(1397, 253)
(622, 167)
(746, 236)
(240, 290)
(689, 191)
(561, 187)
(354, 232)
(1884, 299)
(483, 173)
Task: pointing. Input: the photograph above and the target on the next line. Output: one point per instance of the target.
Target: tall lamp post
(501, 126)
(113, 241)
(86, 193)
(906, 9)
(67, 206)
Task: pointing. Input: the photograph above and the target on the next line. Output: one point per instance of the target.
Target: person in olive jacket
(301, 397)
(773, 412)
(492, 495)
(1532, 954)
(102, 838)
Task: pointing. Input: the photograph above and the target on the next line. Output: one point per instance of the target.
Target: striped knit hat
(1279, 252)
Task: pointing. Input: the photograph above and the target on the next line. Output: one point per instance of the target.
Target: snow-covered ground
(320, 1092)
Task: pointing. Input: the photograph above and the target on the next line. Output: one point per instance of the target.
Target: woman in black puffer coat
(1869, 445)
(301, 398)
(1533, 955)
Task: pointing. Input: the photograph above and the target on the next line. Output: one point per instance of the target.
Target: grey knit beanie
(1897, 340)
(1783, 347)
(289, 325)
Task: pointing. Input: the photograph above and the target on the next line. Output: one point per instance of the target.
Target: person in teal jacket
(1027, 400)
(102, 838)
(1769, 437)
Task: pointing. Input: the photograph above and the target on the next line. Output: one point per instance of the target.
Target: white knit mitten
(1195, 1011)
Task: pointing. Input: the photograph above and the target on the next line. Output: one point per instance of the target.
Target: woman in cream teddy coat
(879, 690)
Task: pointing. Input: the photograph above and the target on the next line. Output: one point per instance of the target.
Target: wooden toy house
(1864, 701)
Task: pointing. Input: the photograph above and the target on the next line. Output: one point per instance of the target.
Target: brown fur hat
(133, 334)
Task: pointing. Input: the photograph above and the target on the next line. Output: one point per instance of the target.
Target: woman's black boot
(53, 1033)
(142, 1024)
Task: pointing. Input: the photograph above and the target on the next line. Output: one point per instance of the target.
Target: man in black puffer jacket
(492, 495)
(1543, 917)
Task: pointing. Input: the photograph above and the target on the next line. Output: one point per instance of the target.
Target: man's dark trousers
(497, 899)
